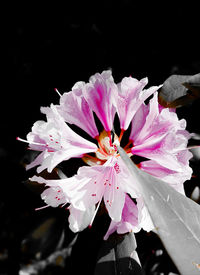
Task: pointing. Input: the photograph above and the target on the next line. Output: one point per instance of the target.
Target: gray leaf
(179, 90)
(118, 256)
(176, 218)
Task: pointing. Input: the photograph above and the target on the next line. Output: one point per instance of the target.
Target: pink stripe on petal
(100, 94)
(75, 110)
(128, 99)
(58, 141)
(128, 222)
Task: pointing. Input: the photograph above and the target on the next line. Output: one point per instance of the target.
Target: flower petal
(144, 218)
(55, 194)
(130, 97)
(75, 110)
(157, 150)
(138, 122)
(129, 221)
(173, 178)
(114, 199)
(57, 140)
(100, 94)
(161, 136)
(38, 160)
(79, 220)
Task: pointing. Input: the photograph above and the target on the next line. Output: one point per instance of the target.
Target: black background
(45, 49)
(57, 46)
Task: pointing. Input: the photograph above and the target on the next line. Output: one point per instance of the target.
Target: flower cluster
(156, 135)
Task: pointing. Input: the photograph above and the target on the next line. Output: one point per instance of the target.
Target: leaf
(179, 90)
(176, 218)
(43, 238)
(195, 152)
(118, 256)
(195, 196)
(193, 84)
(56, 259)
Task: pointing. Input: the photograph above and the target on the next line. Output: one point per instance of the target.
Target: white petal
(79, 220)
(114, 196)
(144, 218)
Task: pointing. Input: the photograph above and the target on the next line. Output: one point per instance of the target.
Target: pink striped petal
(75, 110)
(78, 219)
(129, 221)
(130, 97)
(57, 140)
(100, 94)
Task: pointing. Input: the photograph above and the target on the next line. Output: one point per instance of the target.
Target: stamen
(192, 147)
(64, 204)
(187, 148)
(30, 142)
(55, 89)
(42, 207)
(95, 212)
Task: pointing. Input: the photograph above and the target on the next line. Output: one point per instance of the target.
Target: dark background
(57, 46)
(47, 49)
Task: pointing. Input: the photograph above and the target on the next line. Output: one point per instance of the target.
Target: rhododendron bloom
(56, 141)
(157, 137)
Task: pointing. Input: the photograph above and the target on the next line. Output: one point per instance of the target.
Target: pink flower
(100, 94)
(128, 222)
(56, 141)
(130, 97)
(157, 135)
(75, 110)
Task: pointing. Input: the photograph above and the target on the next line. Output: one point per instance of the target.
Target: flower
(100, 93)
(157, 137)
(75, 110)
(56, 141)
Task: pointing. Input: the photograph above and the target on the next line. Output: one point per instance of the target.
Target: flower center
(107, 149)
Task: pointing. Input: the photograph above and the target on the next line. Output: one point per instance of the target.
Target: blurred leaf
(179, 90)
(196, 153)
(56, 259)
(43, 239)
(176, 218)
(193, 84)
(195, 136)
(195, 196)
(118, 256)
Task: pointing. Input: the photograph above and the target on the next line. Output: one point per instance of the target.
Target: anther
(56, 90)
